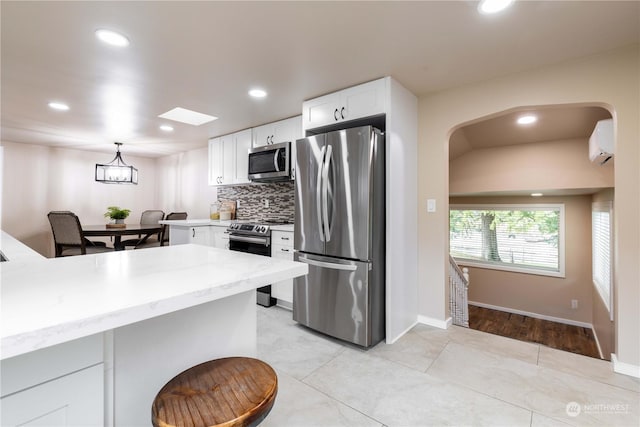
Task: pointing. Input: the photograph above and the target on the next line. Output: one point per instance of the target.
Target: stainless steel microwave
(270, 162)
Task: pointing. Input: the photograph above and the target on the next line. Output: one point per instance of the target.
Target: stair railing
(458, 293)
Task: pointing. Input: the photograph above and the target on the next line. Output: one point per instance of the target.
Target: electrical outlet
(237, 204)
(574, 303)
(266, 203)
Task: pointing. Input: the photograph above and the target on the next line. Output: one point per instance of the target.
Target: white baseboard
(595, 336)
(534, 315)
(437, 323)
(400, 335)
(625, 368)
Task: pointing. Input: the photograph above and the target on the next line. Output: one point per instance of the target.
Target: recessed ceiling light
(189, 117)
(112, 38)
(166, 128)
(59, 106)
(527, 120)
(536, 194)
(257, 93)
(488, 7)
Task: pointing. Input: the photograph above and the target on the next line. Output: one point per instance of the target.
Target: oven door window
(250, 248)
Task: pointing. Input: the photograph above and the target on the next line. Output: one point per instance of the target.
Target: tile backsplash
(252, 200)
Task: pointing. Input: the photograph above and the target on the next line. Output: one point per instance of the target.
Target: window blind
(601, 232)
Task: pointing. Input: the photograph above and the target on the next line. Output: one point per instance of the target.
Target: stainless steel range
(253, 238)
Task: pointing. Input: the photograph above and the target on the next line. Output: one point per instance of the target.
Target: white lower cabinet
(199, 235)
(282, 247)
(220, 236)
(72, 400)
(62, 385)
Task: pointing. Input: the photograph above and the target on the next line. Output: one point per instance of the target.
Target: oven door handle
(260, 240)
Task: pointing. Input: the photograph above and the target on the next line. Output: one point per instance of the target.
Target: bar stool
(234, 391)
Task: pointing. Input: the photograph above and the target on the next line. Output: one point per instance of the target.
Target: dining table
(117, 232)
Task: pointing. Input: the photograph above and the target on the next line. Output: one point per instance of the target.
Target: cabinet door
(220, 237)
(282, 290)
(228, 159)
(200, 236)
(215, 161)
(320, 111)
(364, 100)
(367, 99)
(72, 400)
(262, 135)
(243, 143)
(282, 248)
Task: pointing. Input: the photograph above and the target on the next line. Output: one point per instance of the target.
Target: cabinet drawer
(280, 251)
(282, 238)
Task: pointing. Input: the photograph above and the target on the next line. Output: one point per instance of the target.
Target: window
(521, 238)
(601, 232)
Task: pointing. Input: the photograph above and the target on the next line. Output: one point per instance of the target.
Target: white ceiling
(205, 56)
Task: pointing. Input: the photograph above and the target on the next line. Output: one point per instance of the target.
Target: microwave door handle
(319, 195)
(275, 160)
(325, 193)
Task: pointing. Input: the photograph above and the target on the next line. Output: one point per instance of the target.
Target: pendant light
(116, 171)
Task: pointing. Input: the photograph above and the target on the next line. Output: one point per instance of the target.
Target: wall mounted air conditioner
(601, 142)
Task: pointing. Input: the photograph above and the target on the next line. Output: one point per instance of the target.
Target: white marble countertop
(206, 222)
(284, 227)
(16, 251)
(195, 222)
(50, 301)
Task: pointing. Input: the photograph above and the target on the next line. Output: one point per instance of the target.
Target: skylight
(189, 117)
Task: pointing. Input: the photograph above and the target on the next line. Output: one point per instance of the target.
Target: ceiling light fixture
(59, 106)
(166, 128)
(189, 117)
(536, 194)
(487, 7)
(527, 120)
(116, 171)
(112, 38)
(257, 93)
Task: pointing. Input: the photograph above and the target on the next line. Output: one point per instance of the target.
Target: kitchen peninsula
(89, 340)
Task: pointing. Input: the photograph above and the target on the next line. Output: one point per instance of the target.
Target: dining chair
(164, 234)
(147, 217)
(68, 238)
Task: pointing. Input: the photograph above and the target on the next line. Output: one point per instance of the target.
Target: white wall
(609, 80)
(182, 183)
(38, 179)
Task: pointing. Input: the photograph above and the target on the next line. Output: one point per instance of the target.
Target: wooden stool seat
(234, 391)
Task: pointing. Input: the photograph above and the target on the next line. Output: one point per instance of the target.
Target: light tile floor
(433, 377)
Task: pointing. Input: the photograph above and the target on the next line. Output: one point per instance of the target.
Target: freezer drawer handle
(346, 267)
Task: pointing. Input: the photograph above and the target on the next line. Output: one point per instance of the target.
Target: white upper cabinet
(364, 100)
(216, 161)
(242, 146)
(281, 131)
(229, 158)
(288, 130)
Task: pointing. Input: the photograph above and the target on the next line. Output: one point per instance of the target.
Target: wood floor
(556, 335)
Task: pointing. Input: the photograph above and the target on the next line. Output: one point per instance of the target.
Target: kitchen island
(89, 340)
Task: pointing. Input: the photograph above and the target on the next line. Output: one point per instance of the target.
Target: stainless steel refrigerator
(340, 233)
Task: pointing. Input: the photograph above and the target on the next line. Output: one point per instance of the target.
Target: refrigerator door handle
(345, 267)
(325, 194)
(275, 160)
(319, 195)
